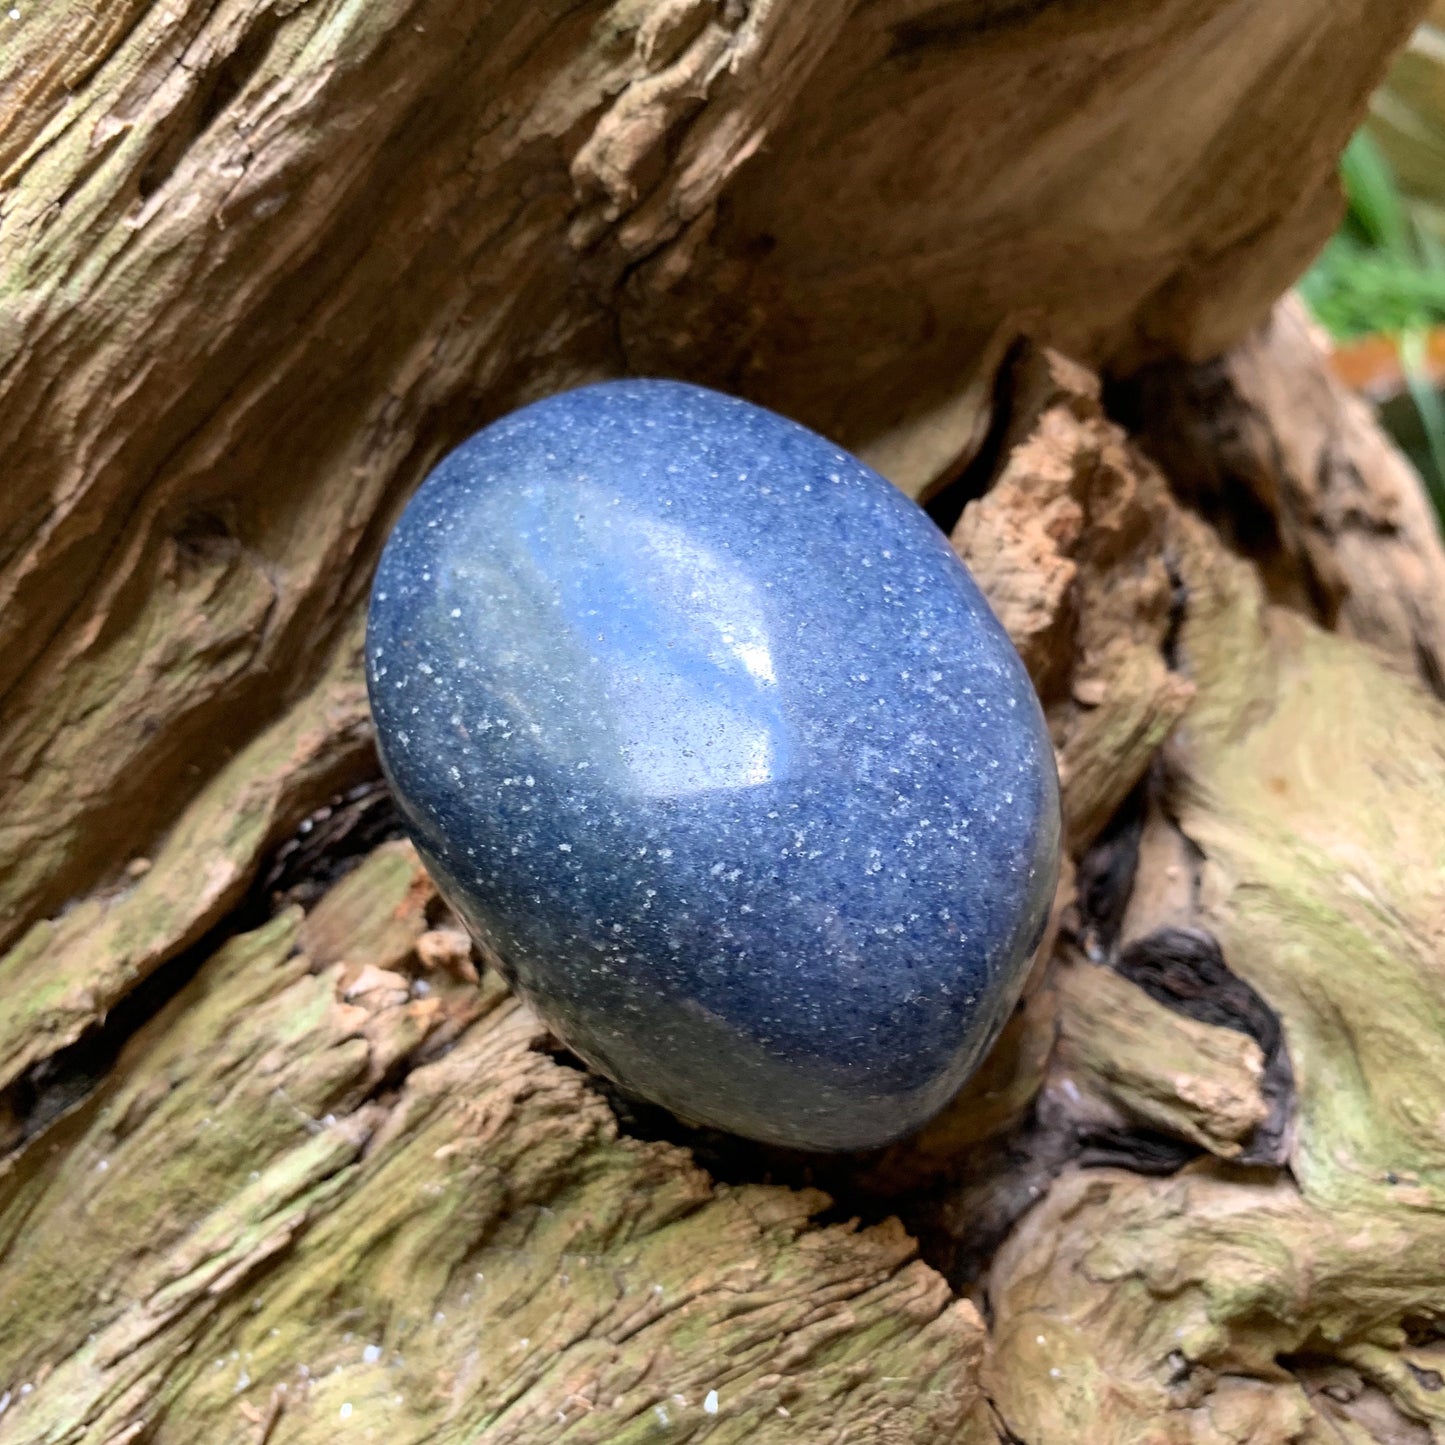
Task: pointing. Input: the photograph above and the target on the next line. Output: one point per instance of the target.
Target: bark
(278, 1165)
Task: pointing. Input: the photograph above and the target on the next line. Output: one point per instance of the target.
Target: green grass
(1383, 272)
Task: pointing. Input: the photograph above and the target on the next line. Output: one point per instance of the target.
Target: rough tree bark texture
(276, 1165)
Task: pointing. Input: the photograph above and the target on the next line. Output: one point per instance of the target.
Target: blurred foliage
(1383, 271)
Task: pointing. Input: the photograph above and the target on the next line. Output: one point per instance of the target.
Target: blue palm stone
(715, 746)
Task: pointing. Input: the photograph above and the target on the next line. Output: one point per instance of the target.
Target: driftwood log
(276, 1165)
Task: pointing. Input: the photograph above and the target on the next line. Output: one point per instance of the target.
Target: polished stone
(713, 743)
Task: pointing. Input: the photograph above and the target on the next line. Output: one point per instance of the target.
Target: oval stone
(718, 751)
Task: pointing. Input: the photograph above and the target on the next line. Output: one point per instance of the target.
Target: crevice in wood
(1206, 478)
(1001, 1428)
(1430, 667)
(961, 1224)
(955, 24)
(63, 1080)
(946, 502)
(1149, 1152)
(999, 1180)
(1178, 612)
(1185, 969)
(1291, 470)
(1339, 1392)
(330, 842)
(730, 1159)
(217, 88)
(1106, 875)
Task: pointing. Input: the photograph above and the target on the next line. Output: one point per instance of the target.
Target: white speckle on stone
(709, 1405)
(662, 1415)
(371, 1354)
(345, 1411)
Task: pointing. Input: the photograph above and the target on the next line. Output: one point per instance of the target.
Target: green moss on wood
(466, 1251)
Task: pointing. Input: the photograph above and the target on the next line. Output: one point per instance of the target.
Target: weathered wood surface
(331, 1184)
(263, 261)
(1293, 469)
(1290, 887)
(259, 265)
